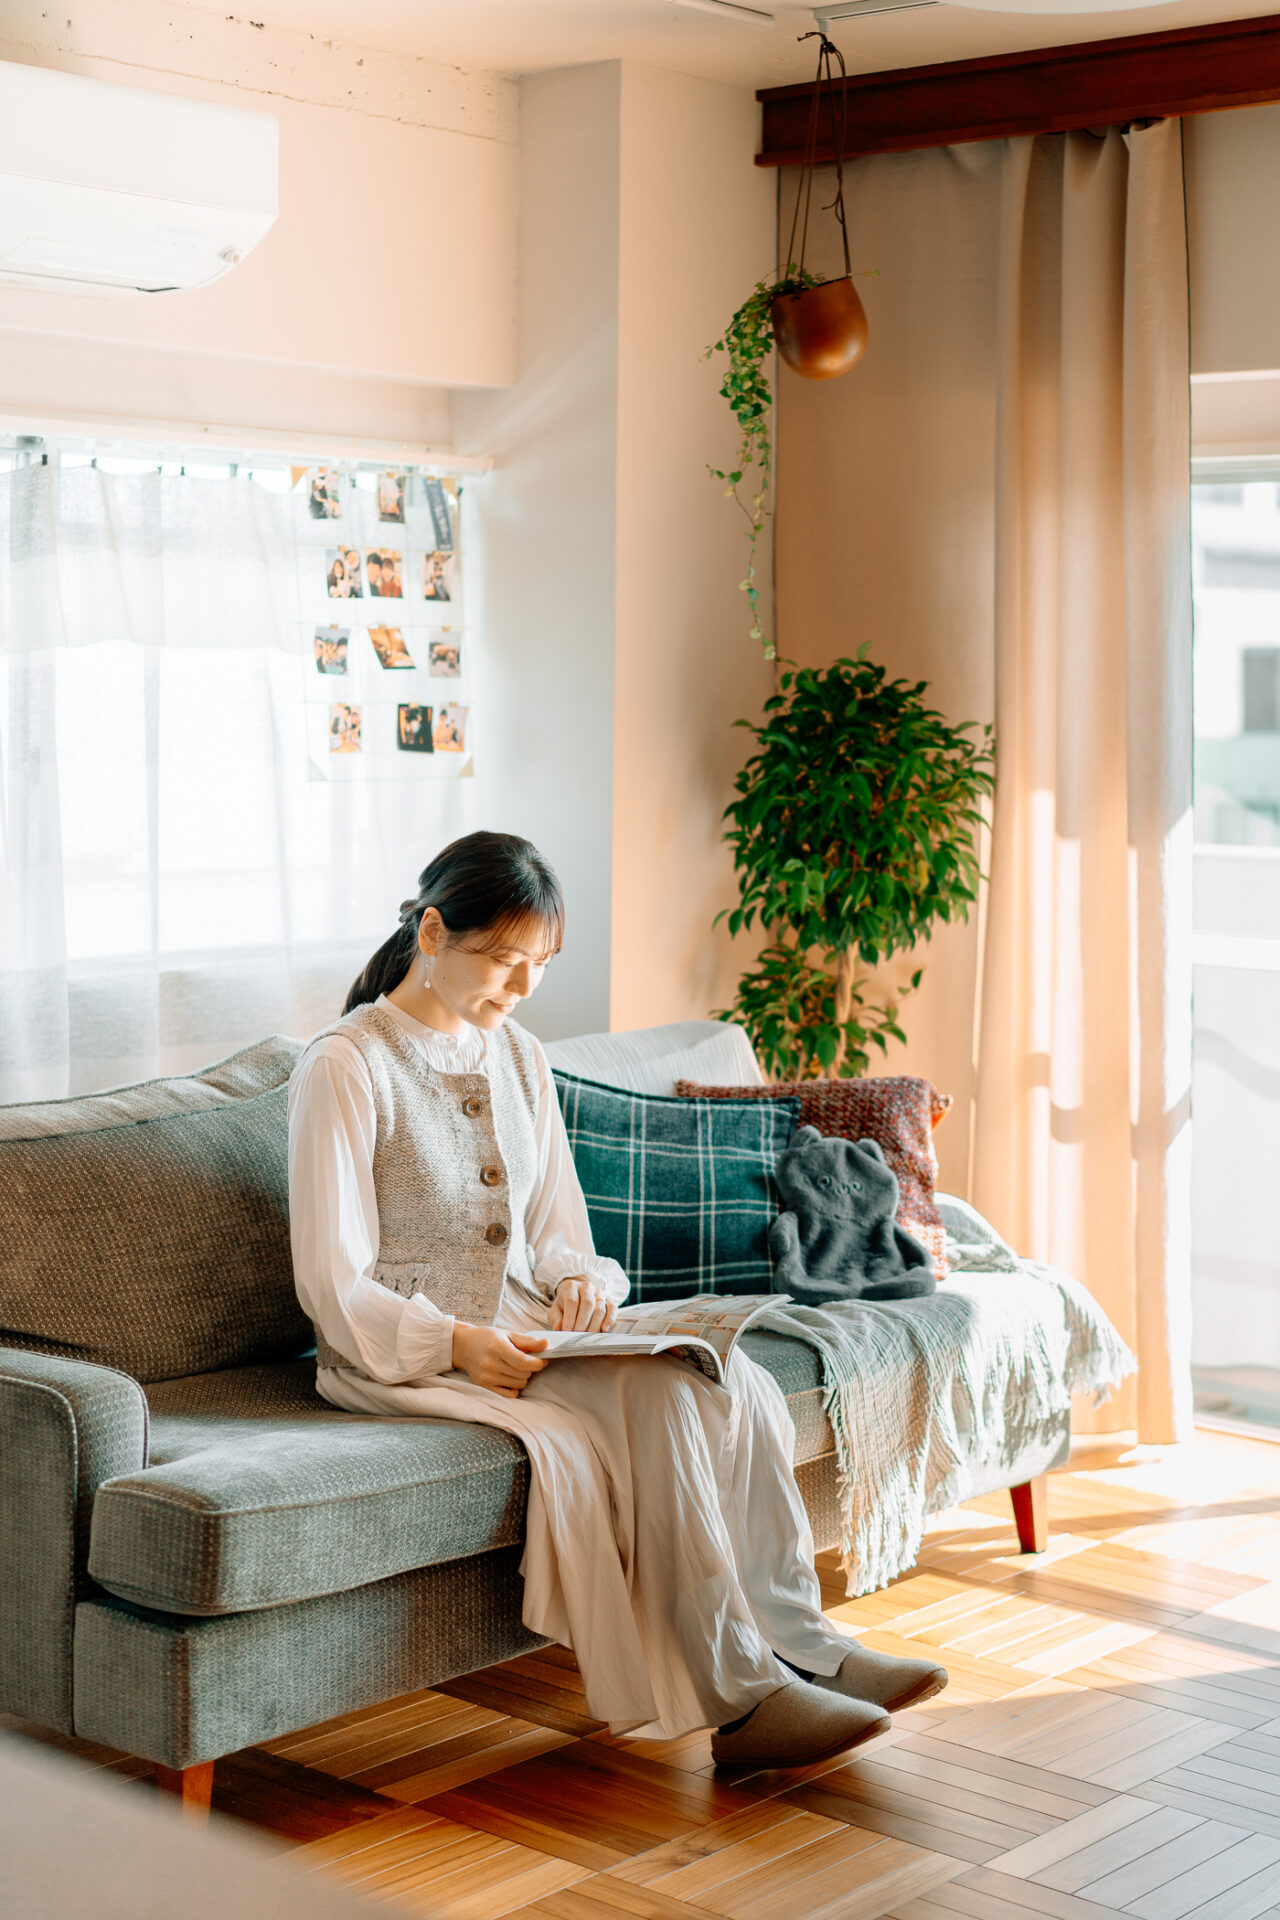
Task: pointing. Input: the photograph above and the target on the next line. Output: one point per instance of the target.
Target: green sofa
(197, 1553)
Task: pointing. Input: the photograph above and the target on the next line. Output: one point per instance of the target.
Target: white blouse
(333, 1210)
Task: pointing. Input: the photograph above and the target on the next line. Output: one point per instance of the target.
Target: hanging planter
(821, 329)
(818, 326)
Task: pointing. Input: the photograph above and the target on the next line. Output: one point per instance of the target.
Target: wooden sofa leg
(1031, 1513)
(193, 1786)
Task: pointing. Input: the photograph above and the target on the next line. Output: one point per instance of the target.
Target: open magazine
(704, 1331)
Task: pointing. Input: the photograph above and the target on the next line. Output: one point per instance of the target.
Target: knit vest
(454, 1162)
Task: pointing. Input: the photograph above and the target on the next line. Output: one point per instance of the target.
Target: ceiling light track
(854, 9)
(732, 12)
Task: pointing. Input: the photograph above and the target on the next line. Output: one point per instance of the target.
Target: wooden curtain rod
(1227, 63)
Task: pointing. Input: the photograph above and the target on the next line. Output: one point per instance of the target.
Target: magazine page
(596, 1346)
(719, 1319)
(703, 1331)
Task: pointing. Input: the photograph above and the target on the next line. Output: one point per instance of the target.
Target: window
(1236, 1085)
(1236, 560)
(218, 776)
(1260, 681)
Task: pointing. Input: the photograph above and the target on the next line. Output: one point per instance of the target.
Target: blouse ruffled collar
(463, 1052)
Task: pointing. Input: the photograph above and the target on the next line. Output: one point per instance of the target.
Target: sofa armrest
(65, 1427)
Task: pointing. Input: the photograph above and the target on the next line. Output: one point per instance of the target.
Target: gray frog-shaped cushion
(837, 1239)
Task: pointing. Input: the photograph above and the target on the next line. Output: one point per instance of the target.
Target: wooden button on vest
(495, 1234)
(472, 1105)
(491, 1175)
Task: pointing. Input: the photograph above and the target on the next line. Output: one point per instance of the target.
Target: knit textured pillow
(679, 1192)
(897, 1111)
(148, 1229)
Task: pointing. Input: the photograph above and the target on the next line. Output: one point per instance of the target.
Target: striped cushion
(679, 1192)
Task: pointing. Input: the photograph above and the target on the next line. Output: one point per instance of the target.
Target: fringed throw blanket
(922, 1393)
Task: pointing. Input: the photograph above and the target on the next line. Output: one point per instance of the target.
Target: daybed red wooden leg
(193, 1786)
(1031, 1513)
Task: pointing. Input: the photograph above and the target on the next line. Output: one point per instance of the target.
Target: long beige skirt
(666, 1542)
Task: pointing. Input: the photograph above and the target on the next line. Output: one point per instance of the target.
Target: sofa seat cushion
(258, 1493)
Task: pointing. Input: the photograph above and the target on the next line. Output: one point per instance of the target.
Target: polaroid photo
(437, 575)
(388, 644)
(343, 575)
(382, 569)
(331, 649)
(344, 728)
(450, 731)
(441, 496)
(391, 497)
(324, 493)
(446, 660)
(413, 729)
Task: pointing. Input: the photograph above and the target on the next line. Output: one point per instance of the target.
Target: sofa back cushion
(652, 1059)
(680, 1193)
(148, 1229)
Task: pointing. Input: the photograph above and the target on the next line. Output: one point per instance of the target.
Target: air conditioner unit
(107, 189)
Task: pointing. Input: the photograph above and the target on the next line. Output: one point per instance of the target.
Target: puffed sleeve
(556, 1223)
(333, 1216)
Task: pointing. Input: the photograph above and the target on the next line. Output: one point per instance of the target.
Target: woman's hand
(503, 1362)
(582, 1306)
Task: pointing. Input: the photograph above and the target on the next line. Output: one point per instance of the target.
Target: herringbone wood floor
(1109, 1744)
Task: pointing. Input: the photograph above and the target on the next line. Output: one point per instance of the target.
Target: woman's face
(481, 987)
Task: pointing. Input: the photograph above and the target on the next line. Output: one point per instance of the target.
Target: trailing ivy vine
(748, 341)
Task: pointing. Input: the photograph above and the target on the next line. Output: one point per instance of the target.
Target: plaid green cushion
(679, 1192)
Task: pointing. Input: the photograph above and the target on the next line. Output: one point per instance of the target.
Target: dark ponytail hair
(490, 883)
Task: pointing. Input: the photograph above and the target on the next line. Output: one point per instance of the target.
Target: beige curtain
(997, 500)
(1081, 1146)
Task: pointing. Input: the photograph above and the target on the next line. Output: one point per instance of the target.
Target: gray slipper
(796, 1725)
(883, 1679)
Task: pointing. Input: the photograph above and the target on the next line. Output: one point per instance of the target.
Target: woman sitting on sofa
(439, 1229)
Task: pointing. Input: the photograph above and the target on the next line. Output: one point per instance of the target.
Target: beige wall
(1233, 212)
(870, 547)
(389, 275)
(1232, 165)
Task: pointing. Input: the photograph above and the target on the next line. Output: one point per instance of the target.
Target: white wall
(609, 558)
(389, 272)
(542, 528)
(697, 227)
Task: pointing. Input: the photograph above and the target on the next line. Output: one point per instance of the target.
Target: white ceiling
(521, 36)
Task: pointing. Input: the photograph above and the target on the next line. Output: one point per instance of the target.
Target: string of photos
(380, 573)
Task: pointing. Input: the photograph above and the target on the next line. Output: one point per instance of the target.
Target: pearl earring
(427, 967)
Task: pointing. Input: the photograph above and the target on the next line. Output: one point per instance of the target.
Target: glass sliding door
(1236, 1088)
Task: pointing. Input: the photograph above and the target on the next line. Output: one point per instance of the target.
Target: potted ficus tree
(819, 328)
(854, 832)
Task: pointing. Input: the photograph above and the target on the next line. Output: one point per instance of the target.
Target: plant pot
(820, 331)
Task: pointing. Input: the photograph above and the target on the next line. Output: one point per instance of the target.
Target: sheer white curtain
(179, 872)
